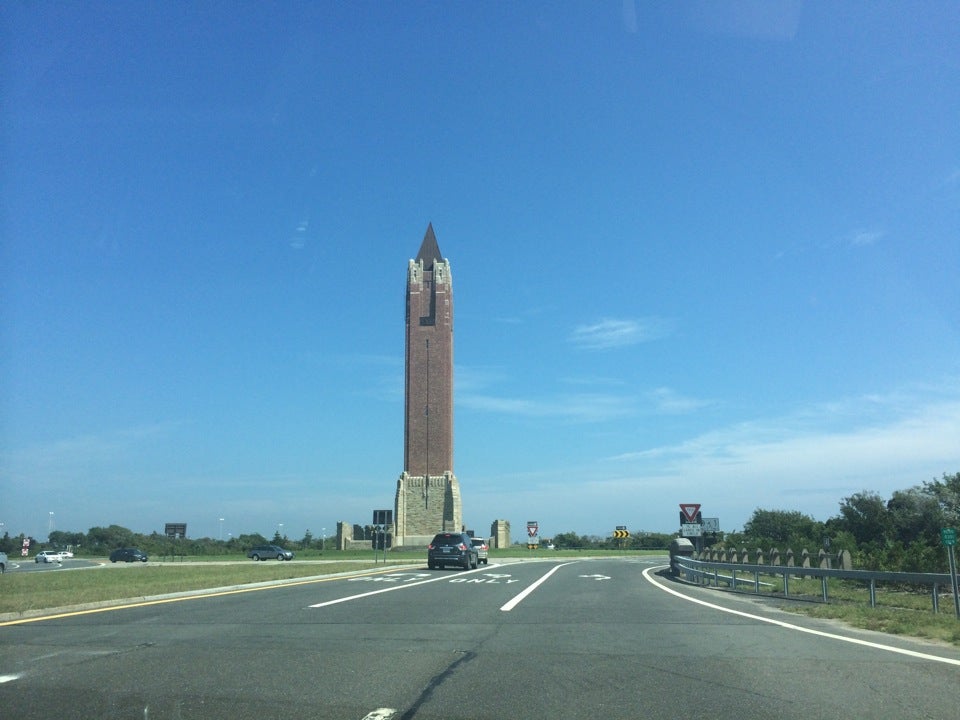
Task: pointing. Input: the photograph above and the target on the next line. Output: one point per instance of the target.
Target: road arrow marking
(596, 577)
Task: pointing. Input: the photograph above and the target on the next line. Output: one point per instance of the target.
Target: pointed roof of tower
(429, 250)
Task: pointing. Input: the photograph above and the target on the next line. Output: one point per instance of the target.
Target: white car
(66, 554)
(48, 556)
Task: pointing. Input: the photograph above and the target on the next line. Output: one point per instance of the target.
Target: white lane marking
(519, 598)
(387, 589)
(798, 628)
(380, 714)
(8, 678)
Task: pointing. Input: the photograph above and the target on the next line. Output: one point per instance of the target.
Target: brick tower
(428, 494)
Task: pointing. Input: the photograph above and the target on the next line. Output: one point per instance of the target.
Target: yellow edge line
(201, 595)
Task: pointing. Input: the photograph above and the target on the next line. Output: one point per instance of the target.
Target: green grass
(27, 592)
(898, 611)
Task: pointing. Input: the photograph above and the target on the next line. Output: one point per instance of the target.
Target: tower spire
(429, 250)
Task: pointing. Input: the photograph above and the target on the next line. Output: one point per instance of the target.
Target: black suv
(452, 549)
(128, 555)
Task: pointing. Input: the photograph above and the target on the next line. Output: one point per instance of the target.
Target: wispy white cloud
(611, 333)
(862, 238)
(668, 401)
(754, 19)
(806, 461)
(583, 407)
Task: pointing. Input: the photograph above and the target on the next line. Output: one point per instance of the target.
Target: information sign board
(691, 530)
(711, 525)
(948, 536)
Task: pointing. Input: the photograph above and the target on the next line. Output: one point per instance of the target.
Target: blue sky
(701, 252)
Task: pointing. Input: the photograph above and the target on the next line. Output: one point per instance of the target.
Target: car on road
(3, 562)
(66, 554)
(449, 548)
(128, 555)
(267, 552)
(481, 545)
(48, 556)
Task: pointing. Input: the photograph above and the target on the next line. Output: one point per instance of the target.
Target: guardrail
(705, 572)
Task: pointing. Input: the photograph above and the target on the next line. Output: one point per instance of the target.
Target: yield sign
(690, 511)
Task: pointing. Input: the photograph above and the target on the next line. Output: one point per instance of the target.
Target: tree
(104, 539)
(61, 539)
(947, 494)
(865, 516)
(915, 516)
(783, 528)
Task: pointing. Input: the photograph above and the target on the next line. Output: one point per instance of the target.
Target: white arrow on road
(596, 577)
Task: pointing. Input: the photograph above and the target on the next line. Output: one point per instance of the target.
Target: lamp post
(323, 540)
(221, 529)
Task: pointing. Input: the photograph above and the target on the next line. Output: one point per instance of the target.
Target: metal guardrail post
(873, 593)
(936, 598)
(823, 586)
(786, 584)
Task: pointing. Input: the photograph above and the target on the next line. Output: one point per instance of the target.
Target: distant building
(500, 533)
(428, 493)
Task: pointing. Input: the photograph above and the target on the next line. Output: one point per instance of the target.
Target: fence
(738, 575)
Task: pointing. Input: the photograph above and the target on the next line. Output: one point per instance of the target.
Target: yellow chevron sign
(621, 533)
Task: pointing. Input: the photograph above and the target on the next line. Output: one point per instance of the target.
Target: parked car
(128, 555)
(3, 562)
(452, 549)
(481, 545)
(66, 554)
(266, 552)
(48, 556)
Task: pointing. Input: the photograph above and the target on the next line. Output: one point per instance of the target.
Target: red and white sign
(532, 528)
(690, 511)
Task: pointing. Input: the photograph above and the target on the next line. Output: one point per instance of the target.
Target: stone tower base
(425, 506)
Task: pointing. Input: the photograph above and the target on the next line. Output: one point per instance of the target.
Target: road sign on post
(690, 512)
(949, 538)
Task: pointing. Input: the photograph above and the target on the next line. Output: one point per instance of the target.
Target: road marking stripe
(8, 678)
(799, 628)
(390, 589)
(380, 714)
(520, 598)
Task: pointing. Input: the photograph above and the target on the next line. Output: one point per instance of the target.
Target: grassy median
(27, 592)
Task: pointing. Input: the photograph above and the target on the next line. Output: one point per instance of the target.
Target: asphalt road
(606, 638)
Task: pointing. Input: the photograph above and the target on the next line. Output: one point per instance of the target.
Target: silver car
(481, 545)
(267, 552)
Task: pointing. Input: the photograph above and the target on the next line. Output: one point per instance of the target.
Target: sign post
(381, 519)
(533, 534)
(949, 538)
(620, 533)
(691, 523)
